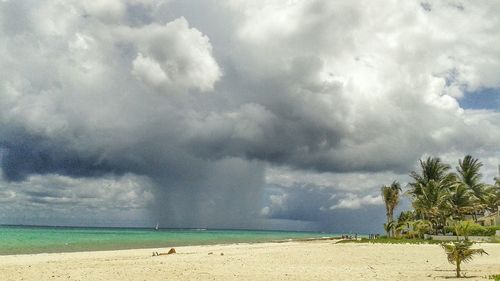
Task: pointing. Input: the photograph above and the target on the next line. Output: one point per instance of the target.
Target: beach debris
(211, 253)
(221, 254)
(171, 251)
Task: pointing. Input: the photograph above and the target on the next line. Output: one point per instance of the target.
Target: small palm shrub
(459, 252)
(495, 277)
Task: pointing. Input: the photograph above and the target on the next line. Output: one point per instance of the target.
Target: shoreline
(298, 260)
(139, 247)
(31, 240)
(336, 239)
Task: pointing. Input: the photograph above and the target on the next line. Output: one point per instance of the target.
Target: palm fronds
(391, 197)
(460, 251)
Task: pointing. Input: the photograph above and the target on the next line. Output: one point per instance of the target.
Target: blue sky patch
(483, 99)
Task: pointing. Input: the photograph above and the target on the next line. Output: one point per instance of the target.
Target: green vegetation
(387, 240)
(443, 202)
(390, 194)
(476, 230)
(495, 277)
(459, 252)
(442, 198)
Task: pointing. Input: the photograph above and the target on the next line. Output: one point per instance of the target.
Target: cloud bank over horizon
(237, 114)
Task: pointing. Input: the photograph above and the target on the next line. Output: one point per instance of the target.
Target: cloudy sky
(276, 114)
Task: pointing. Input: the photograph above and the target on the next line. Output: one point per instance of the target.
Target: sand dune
(313, 260)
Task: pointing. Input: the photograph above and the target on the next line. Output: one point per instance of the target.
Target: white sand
(318, 260)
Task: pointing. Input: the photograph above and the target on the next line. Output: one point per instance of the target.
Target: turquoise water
(29, 240)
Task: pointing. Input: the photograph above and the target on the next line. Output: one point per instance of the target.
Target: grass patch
(495, 277)
(384, 240)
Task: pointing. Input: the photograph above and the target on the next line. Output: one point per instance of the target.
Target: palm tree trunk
(389, 220)
(458, 267)
(443, 224)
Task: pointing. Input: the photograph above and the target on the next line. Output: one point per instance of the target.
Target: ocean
(45, 239)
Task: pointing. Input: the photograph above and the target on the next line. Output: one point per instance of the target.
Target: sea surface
(38, 239)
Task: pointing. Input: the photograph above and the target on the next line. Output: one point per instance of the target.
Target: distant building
(490, 219)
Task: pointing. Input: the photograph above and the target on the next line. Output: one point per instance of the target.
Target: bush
(495, 277)
(474, 229)
(477, 230)
(449, 229)
(490, 230)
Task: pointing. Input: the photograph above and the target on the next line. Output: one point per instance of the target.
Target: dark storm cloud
(26, 154)
(197, 103)
(328, 208)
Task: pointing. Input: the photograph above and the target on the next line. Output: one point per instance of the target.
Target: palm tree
(433, 203)
(421, 227)
(461, 201)
(460, 251)
(492, 198)
(390, 195)
(431, 191)
(433, 169)
(404, 221)
(470, 177)
(389, 227)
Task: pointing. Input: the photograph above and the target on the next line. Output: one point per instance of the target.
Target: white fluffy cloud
(125, 192)
(380, 75)
(173, 57)
(110, 200)
(352, 201)
(343, 182)
(85, 82)
(335, 95)
(390, 78)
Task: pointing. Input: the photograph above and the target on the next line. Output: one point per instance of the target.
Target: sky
(275, 114)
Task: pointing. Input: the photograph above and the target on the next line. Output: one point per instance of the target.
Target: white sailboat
(157, 225)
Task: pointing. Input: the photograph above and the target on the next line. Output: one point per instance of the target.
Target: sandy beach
(313, 260)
